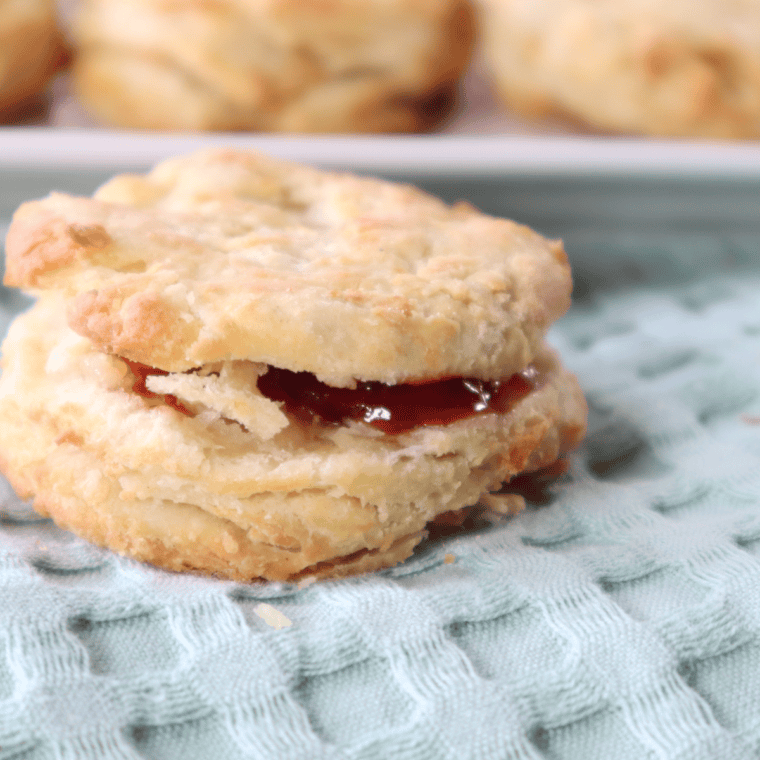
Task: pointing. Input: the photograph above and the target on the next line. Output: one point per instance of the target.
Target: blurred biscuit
(31, 51)
(671, 69)
(272, 65)
(246, 382)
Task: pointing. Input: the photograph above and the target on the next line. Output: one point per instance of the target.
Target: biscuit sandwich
(255, 369)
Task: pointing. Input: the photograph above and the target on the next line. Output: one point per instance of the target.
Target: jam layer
(393, 408)
(390, 408)
(141, 373)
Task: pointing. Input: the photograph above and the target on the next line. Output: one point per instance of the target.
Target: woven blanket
(617, 617)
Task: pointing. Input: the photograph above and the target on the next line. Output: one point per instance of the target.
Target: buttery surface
(231, 255)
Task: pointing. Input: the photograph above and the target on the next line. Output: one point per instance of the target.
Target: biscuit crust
(228, 255)
(266, 65)
(206, 492)
(31, 51)
(673, 69)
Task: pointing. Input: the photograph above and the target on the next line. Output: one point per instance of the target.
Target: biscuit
(31, 51)
(671, 69)
(272, 65)
(190, 441)
(230, 255)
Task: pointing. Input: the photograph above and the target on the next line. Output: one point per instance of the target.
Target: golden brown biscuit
(659, 68)
(272, 65)
(231, 255)
(31, 51)
(261, 462)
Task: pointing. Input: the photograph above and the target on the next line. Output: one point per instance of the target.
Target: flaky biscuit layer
(663, 68)
(228, 255)
(290, 65)
(31, 51)
(266, 498)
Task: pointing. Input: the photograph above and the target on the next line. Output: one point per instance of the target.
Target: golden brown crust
(31, 51)
(272, 65)
(276, 499)
(228, 255)
(676, 69)
(46, 243)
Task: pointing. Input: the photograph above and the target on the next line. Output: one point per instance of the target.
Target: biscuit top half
(230, 255)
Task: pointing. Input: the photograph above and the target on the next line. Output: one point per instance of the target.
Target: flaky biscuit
(268, 498)
(31, 51)
(250, 368)
(288, 65)
(229, 255)
(661, 68)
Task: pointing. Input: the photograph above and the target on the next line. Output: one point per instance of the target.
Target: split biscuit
(272, 65)
(672, 69)
(31, 51)
(254, 369)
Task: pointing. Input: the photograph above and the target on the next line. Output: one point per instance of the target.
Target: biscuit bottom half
(205, 473)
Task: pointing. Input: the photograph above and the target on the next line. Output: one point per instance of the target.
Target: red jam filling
(141, 373)
(394, 408)
(390, 408)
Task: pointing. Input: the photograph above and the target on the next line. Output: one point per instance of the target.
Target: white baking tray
(38, 148)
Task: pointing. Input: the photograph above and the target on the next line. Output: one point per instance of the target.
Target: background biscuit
(676, 68)
(289, 65)
(31, 51)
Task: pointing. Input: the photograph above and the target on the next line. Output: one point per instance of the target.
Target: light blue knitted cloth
(619, 620)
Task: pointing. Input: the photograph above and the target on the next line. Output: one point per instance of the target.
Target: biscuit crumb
(449, 559)
(310, 580)
(272, 617)
(503, 503)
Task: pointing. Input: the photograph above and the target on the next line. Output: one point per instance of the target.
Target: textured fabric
(617, 617)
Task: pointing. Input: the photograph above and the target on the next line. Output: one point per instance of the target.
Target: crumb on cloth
(272, 616)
